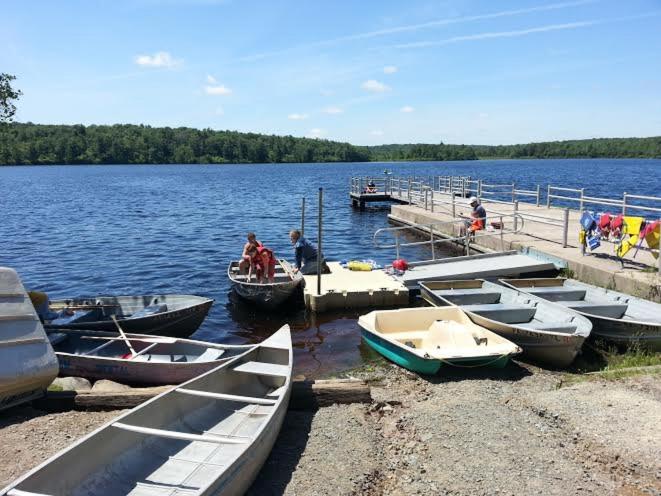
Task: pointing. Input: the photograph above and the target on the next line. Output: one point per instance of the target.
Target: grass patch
(55, 387)
(567, 273)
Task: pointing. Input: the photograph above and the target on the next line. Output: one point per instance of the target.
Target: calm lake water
(87, 230)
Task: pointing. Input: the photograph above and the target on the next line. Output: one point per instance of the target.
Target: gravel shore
(484, 432)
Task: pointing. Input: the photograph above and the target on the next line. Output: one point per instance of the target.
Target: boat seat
(473, 351)
(468, 296)
(612, 310)
(229, 397)
(263, 368)
(276, 393)
(503, 312)
(207, 438)
(550, 327)
(209, 355)
(557, 293)
(149, 310)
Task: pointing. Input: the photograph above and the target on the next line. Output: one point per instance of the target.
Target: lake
(127, 229)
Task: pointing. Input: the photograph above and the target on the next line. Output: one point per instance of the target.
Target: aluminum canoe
(616, 317)
(210, 435)
(549, 334)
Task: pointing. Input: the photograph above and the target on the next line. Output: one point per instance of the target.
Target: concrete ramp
(489, 265)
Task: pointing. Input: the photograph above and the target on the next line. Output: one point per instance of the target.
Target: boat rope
(449, 362)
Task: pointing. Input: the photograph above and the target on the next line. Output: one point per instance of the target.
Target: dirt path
(508, 433)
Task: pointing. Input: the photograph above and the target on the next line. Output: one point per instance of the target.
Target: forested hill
(131, 144)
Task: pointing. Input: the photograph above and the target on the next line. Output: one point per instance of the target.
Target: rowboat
(425, 339)
(144, 359)
(269, 295)
(210, 435)
(165, 315)
(617, 317)
(548, 333)
(27, 361)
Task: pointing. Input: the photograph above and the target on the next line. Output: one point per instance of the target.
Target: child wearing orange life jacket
(262, 260)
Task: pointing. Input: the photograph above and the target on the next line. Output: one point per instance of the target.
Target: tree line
(38, 144)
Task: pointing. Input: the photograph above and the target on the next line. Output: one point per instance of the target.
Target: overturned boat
(616, 317)
(137, 358)
(548, 333)
(425, 339)
(27, 361)
(268, 294)
(209, 436)
(165, 314)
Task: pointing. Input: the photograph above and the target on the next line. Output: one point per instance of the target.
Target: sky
(366, 72)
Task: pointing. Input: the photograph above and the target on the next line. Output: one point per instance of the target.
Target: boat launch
(211, 435)
(137, 358)
(269, 294)
(165, 315)
(425, 339)
(616, 317)
(548, 333)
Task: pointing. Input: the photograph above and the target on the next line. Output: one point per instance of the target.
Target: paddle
(121, 332)
(159, 340)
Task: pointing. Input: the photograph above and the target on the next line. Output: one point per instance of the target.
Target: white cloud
(407, 109)
(333, 110)
(211, 80)
(374, 86)
(316, 133)
(297, 117)
(159, 59)
(220, 111)
(219, 89)
(376, 132)
(390, 69)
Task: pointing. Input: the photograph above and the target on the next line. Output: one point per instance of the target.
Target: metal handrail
(465, 238)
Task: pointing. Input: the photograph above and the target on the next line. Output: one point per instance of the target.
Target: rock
(79, 384)
(106, 386)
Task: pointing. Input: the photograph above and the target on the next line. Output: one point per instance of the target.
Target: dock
(435, 208)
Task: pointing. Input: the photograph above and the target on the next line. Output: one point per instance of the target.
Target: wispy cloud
(374, 86)
(407, 109)
(390, 69)
(333, 110)
(159, 59)
(297, 117)
(211, 80)
(316, 133)
(217, 90)
(416, 27)
(524, 32)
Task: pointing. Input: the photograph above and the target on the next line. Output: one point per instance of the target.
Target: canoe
(549, 334)
(27, 361)
(425, 339)
(165, 314)
(268, 295)
(210, 435)
(157, 360)
(616, 317)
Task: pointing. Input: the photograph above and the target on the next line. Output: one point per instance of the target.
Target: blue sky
(371, 72)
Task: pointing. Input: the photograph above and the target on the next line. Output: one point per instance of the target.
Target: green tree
(7, 96)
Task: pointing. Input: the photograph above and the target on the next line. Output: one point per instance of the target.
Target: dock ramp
(27, 361)
(488, 265)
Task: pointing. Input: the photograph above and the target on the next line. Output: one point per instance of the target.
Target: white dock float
(489, 265)
(344, 288)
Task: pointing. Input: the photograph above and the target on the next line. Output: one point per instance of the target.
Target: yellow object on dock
(343, 288)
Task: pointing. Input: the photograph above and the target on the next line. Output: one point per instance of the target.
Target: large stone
(106, 386)
(78, 384)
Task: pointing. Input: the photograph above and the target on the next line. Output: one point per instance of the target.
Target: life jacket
(605, 222)
(259, 257)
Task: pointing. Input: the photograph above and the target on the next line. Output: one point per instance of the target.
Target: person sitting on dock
(478, 216)
(371, 187)
(244, 264)
(305, 253)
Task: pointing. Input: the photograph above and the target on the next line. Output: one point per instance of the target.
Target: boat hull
(401, 357)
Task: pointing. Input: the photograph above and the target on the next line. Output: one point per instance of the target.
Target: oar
(121, 332)
(163, 340)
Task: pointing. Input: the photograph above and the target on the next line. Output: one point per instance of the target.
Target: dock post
(624, 203)
(479, 189)
(432, 200)
(426, 198)
(360, 185)
(516, 212)
(580, 202)
(502, 240)
(467, 242)
(431, 239)
(463, 187)
(565, 229)
(548, 196)
(303, 216)
(454, 214)
(538, 188)
(409, 191)
(513, 192)
(319, 252)
(399, 187)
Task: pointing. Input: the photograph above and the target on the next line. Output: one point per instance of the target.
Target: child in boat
(262, 262)
(244, 264)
